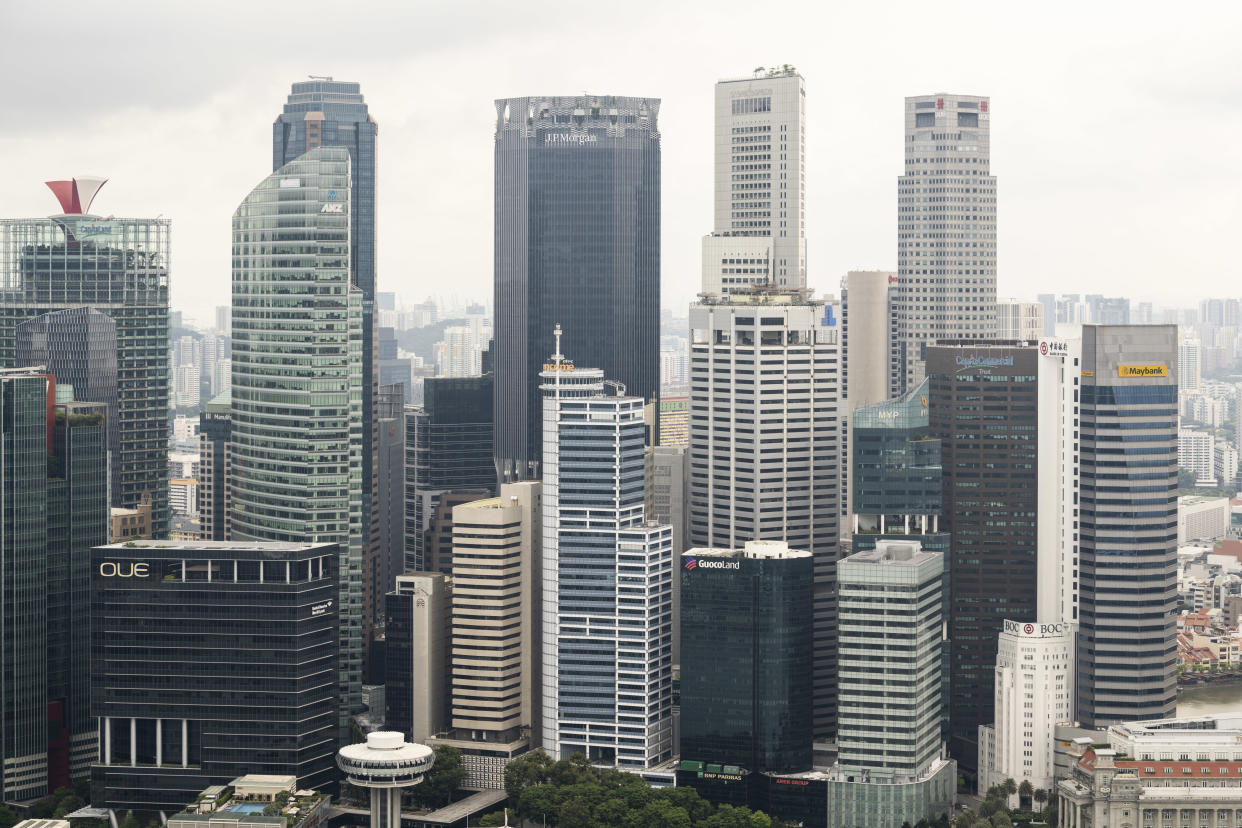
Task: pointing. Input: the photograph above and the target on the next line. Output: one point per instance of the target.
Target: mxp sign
(1030, 630)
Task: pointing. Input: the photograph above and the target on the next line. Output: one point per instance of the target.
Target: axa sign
(124, 569)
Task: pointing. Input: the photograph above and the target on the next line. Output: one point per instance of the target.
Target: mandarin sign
(1142, 371)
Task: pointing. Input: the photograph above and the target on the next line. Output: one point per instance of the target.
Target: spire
(72, 193)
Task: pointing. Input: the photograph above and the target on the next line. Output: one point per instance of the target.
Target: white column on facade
(133, 742)
(107, 729)
(159, 742)
(185, 744)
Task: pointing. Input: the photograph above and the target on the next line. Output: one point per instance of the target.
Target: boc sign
(1030, 630)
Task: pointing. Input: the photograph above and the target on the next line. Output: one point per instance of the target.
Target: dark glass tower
(448, 448)
(1127, 621)
(215, 432)
(745, 663)
(577, 244)
(983, 410)
(78, 345)
(53, 491)
(118, 266)
(210, 661)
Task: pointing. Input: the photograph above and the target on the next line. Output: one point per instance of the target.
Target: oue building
(211, 660)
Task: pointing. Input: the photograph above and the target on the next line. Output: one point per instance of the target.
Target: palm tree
(1025, 790)
(1040, 796)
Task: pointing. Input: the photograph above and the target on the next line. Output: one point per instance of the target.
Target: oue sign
(111, 569)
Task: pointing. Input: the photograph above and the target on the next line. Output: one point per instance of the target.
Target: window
(968, 119)
(925, 119)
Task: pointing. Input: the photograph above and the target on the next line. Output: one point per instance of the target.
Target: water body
(1210, 700)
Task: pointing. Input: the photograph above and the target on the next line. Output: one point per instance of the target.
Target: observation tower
(386, 764)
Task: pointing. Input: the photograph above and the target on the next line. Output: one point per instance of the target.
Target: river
(1210, 700)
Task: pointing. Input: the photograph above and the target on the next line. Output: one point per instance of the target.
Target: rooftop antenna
(556, 360)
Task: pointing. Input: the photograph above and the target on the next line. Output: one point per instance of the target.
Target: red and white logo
(1043, 348)
(1028, 628)
(692, 563)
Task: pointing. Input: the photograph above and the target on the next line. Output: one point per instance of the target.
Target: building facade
(606, 591)
(890, 763)
(1034, 693)
(1127, 648)
(117, 266)
(577, 244)
(1016, 319)
(946, 244)
(297, 432)
(210, 660)
(764, 441)
(745, 669)
(416, 650)
(448, 448)
(759, 234)
(215, 434)
(54, 496)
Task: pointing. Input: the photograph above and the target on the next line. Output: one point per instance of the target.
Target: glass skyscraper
(53, 509)
(78, 346)
(297, 439)
(745, 664)
(118, 266)
(577, 244)
(322, 112)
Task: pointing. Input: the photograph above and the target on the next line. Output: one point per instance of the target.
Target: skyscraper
(448, 448)
(764, 451)
(890, 767)
(1004, 413)
(118, 266)
(297, 440)
(759, 235)
(78, 346)
(214, 468)
(1127, 647)
(946, 227)
(606, 687)
(53, 487)
(208, 661)
(322, 112)
(745, 669)
(577, 244)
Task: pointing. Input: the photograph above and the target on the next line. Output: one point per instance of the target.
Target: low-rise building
(1202, 518)
(1173, 773)
(254, 801)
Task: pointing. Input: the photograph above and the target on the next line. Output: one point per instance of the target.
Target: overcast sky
(1116, 127)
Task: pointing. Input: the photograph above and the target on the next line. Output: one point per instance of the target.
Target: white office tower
(1195, 454)
(1189, 364)
(890, 763)
(1016, 319)
(764, 442)
(1034, 693)
(606, 688)
(946, 226)
(760, 228)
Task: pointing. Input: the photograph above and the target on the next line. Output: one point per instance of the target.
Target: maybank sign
(991, 362)
(1142, 371)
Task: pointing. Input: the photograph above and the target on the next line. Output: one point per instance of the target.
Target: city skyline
(1111, 75)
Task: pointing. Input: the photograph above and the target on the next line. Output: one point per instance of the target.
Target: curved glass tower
(297, 378)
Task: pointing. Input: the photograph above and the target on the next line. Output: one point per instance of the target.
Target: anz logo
(332, 208)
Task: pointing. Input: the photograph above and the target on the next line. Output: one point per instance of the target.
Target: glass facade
(53, 508)
(215, 433)
(1128, 601)
(297, 438)
(448, 449)
(983, 411)
(577, 217)
(746, 660)
(79, 346)
(118, 267)
(210, 661)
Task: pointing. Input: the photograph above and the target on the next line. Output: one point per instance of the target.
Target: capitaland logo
(977, 361)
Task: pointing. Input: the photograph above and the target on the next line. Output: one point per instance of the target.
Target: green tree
(538, 802)
(575, 813)
(67, 805)
(1001, 820)
(1025, 791)
(521, 773)
(1040, 796)
(7, 817)
(445, 777)
(965, 819)
(658, 813)
(1010, 787)
(130, 821)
